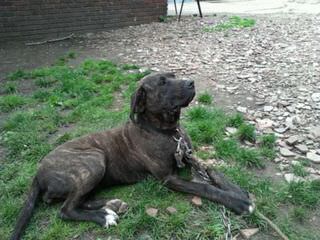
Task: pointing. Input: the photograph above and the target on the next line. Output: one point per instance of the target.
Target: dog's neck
(156, 125)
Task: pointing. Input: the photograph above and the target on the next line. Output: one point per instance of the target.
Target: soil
(239, 67)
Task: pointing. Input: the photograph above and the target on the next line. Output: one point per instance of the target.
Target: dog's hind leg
(71, 210)
(115, 205)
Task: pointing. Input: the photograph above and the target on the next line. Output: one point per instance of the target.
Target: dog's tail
(27, 210)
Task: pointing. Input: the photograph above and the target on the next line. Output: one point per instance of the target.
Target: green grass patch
(234, 22)
(205, 98)
(11, 102)
(246, 132)
(10, 88)
(68, 102)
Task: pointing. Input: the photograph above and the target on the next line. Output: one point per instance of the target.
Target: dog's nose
(190, 83)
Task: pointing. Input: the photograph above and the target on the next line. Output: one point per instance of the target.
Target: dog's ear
(138, 100)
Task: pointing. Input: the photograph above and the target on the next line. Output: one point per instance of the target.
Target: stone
(248, 233)
(281, 130)
(313, 177)
(313, 157)
(171, 210)
(290, 177)
(196, 201)
(302, 148)
(267, 108)
(231, 130)
(152, 212)
(315, 97)
(315, 131)
(286, 152)
(292, 140)
(242, 109)
(264, 123)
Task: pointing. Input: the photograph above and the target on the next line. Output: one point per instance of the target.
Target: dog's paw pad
(111, 218)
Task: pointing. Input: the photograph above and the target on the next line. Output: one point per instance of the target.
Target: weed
(232, 23)
(299, 213)
(246, 132)
(71, 55)
(10, 88)
(299, 170)
(268, 141)
(17, 75)
(11, 102)
(44, 82)
(303, 193)
(129, 67)
(235, 120)
(205, 98)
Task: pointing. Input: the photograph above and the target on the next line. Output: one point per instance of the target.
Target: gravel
(270, 72)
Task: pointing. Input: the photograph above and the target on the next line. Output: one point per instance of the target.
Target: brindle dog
(144, 146)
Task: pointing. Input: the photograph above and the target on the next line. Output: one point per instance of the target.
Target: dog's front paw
(111, 218)
(241, 205)
(117, 206)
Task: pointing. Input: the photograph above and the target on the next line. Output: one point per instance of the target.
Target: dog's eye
(162, 81)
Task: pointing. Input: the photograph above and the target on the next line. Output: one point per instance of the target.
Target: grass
(299, 170)
(72, 101)
(205, 98)
(234, 22)
(11, 102)
(10, 88)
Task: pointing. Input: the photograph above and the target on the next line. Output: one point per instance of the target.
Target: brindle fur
(125, 155)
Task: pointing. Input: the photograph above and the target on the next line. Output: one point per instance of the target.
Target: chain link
(183, 148)
(226, 223)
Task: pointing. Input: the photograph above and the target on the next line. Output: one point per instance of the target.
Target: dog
(145, 145)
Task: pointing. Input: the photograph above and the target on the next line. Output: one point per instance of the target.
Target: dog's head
(159, 99)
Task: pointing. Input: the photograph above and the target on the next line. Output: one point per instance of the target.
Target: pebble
(315, 131)
(171, 210)
(242, 109)
(267, 108)
(196, 201)
(286, 152)
(316, 97)
(313, 157)
(248, 233)
(302, 148)
(292, 140)
(152, 212)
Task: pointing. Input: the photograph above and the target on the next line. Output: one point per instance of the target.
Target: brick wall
(40, 19)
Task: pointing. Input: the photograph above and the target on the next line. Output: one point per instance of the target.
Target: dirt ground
(275, 65)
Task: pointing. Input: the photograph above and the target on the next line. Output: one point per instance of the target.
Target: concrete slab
(249, 7)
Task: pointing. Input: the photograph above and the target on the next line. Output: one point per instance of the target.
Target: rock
(286, 152)
(315, 131)
(313, 177)
(264, 123)
(231, 130)
(315, 97)
(281, 130)
(313, 157)
(248, 233)
(302, 148)
(277, 160)
(152, 212)
(196, 201)
(242, 109)
(171, 210)
(290, 177)
(267, 108)
(292, 140)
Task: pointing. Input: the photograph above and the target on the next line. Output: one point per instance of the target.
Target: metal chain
(226, 223)
(201, 171)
